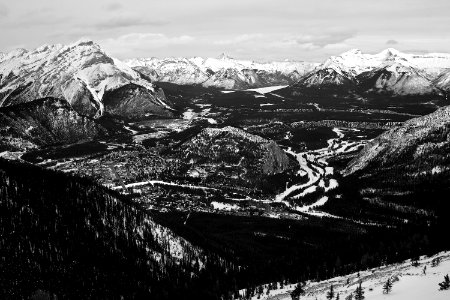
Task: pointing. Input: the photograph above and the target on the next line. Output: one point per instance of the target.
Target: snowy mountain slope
(221, 72)
(397, 78)
(407, 168)
(82, 73)
(174, 70)
(443, 81)
(409, 282)
(417, 139)
(330, 76)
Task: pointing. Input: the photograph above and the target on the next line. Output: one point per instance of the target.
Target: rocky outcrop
(234, 158)
(232, 145)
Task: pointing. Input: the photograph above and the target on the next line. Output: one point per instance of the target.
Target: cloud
(324, 39)
(133, 44)
(123, 21)
(3, 11)
(113, 6)
(391, 42)
(243, 38)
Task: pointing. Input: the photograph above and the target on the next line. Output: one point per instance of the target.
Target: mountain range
(389, 71)
(94, 83)
(221, 72)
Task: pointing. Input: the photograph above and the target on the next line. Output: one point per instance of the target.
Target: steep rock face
(81, 73)
(250, 154)
(44, 122)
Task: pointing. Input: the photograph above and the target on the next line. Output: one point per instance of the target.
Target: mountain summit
(84, 75)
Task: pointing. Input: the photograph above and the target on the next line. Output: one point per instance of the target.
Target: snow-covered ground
(268, 89)
(412, 284)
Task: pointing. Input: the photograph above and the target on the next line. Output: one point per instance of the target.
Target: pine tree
(387, 287)
(359, 292)
(445, 285)
(435, 262)
(415, 262)
(260, 291)
(337, 296)
(330, 294)
(298, 291)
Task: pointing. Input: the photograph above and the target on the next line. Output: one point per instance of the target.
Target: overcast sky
(248, 29)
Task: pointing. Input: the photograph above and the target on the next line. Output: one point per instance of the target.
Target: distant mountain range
(222, 72)
(389, 71)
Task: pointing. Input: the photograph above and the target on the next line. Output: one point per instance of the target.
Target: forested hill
(64, 236)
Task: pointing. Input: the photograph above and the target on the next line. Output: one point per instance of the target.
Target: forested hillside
(67, 237)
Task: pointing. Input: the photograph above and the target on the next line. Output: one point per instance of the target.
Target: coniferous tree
(387, 287)
(359, 292)
(298, 291)
(337, 296)
(415, 262)
(445, 285)
(330, 294)
(435, 262)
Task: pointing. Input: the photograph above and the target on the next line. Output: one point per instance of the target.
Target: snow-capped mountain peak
(389, 69)
(81, 72)
(221, 72)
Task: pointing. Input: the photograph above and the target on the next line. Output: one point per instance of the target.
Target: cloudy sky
(248, 29)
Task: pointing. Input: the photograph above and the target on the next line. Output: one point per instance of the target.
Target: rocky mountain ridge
(81, 73)
(222, 72)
